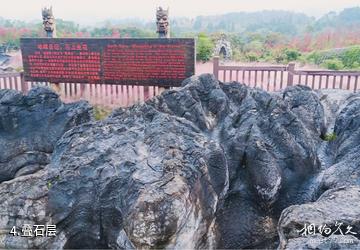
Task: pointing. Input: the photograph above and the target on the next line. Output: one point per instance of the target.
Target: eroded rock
(335, 206)
(209, 165)
(211, 144)
(143, 173)
(30, 126)
(345, 168)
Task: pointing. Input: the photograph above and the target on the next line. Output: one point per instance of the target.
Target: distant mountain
(285, 22)
(349, 17)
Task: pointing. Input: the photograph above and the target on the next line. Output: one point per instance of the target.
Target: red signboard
(161, 62)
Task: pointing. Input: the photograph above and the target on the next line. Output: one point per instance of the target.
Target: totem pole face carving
(162, 22)
(48, 20)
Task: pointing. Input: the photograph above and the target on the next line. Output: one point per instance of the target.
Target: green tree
(204, 48)
(351, 57)
(255, 46)
(273, 39)
(291, 54)
(252, 57)
(334, 64)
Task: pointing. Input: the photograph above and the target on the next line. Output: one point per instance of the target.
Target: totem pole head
(48, 20)
(162, 22)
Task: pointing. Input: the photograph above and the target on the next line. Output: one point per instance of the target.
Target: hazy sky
(90, 11)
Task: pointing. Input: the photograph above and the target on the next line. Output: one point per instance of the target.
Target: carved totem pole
(162, 23)
(50, 31)
(162, 27)
(49, 22)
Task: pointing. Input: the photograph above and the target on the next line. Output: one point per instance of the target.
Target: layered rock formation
(335, 207)
(210, 165)
(30, 126)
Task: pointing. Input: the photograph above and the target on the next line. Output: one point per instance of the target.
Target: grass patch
(329, 137)
(100, 112)
(50, 183)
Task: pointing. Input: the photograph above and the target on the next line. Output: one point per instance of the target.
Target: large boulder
(228, 152)
(209, 165)
(338, 183)
(345, 165)
(337, 209)
(23, 201)
(139, 179)
(30, 126)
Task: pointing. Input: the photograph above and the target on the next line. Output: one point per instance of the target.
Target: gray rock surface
(335, 206)
(210, 165)
(338, 181)
(30, 126)
(142, 172)
(23, 200)
(345, 168)
(317, 242)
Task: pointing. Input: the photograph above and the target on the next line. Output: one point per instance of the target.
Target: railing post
(291, 72)
(82, 89)
(216, 67)
(23, 83)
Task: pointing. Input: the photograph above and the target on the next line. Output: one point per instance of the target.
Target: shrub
(333, 64)
(237, 55)
(314, 57)
(252, 57)
(286, 55)
(356, 65)
(291, 54)
(19, 69)
(302, 60)
(204, 48)
(101, 113)
(351, 56)
(319, 57)
(329, 137)
(279, 56)
(254, 47)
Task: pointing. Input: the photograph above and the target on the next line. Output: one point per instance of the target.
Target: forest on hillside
(332, 41)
